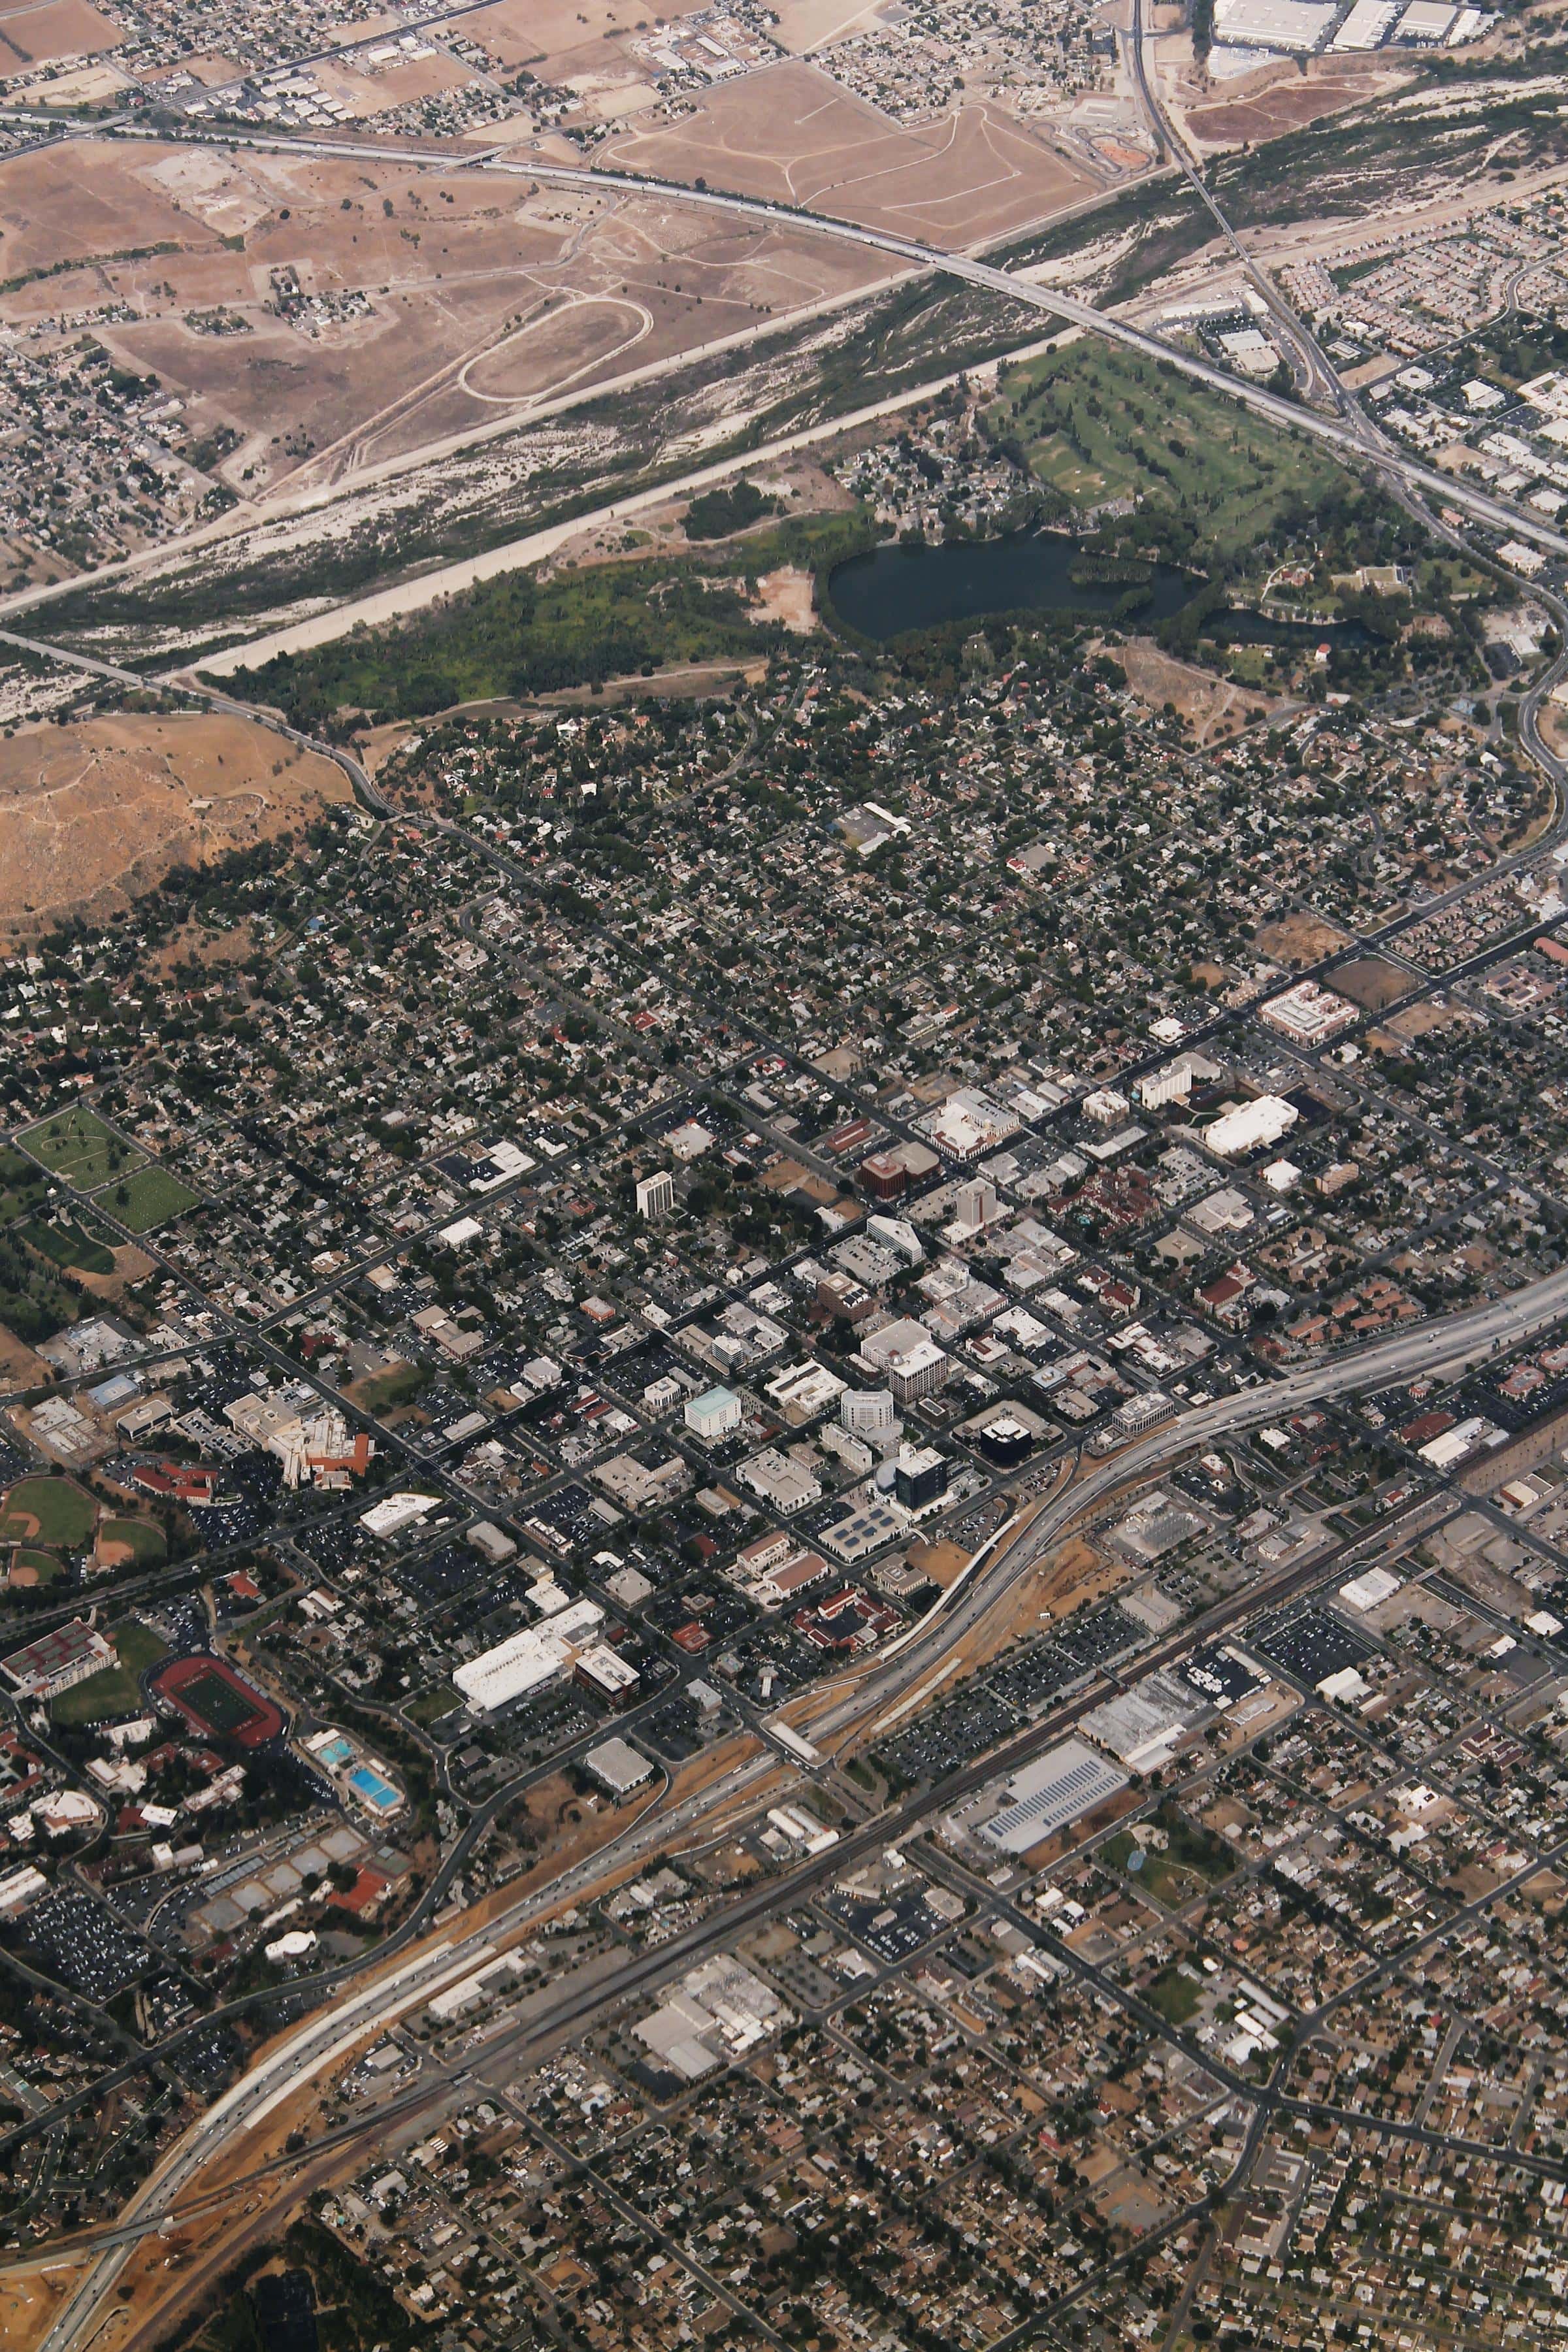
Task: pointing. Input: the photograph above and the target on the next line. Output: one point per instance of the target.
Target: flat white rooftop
(1275, 24)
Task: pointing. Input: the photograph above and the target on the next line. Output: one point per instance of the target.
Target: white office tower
(975, 1205)
(869, 1412)
(1172, 1083)
(872, 1416)
(656, 1194)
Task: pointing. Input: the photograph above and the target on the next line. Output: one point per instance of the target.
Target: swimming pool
(336, 1751)
(374, 1789)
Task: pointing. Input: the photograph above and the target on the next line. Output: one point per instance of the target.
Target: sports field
(119, 1540)
(222, 1707)
(117, 1691)
(213, 1698)
(48, 1511)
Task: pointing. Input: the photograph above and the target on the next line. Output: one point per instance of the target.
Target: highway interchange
(1347, 429)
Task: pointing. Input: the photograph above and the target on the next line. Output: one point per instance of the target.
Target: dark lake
(892, 588)
(1241, 627)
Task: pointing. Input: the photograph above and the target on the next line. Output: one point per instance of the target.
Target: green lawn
(118, 1689)
(145, 1540)
(44, 1566)
(1189, 1859)
(21, 1184)
(77, 1147)
(433, 1704)
(518, 635)
(392, 1387)
(148, 1199)
(1099, 424)
(68, 1243)
(1175, 1996)
(51, 1511)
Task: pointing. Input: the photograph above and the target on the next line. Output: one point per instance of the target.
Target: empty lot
(790, 132)
(94, 814)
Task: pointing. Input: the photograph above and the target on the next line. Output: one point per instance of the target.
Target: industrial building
(617, 1765)
(1368, 26)
(970, 1124)
(1067, 1782)
(1143, 1727)
(471, 1992)
(1274, 24)
(719, 2012)
(529, 1660)
(1251, 1126)
(1370, 1588)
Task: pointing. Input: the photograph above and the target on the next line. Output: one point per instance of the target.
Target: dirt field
(786, 595)
(1269, 108)
(20, 1369)
(1372, 983)
(92, 815)
(482, 292)
(1210, 705)
(34, 34)
(1300, 939)
(552, 348)
(564, 41)
(1421, 1021)
(805, 25)
(790, 132)
(131, 1266)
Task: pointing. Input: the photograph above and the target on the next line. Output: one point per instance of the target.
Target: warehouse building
(1274, 24)
(530, 1660)
(1067, 1782)
(1251, 1126)
(617, 1765)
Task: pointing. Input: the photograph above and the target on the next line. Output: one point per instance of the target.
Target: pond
(893, 589)
(1235, 625)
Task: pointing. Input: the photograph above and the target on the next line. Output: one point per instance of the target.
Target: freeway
(1460, 1340)
(1315, 379)
(1318, 379)
(312, 2048)
(1347, 431)
(1014, 285)
(321, 2040)
(1067, 307)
